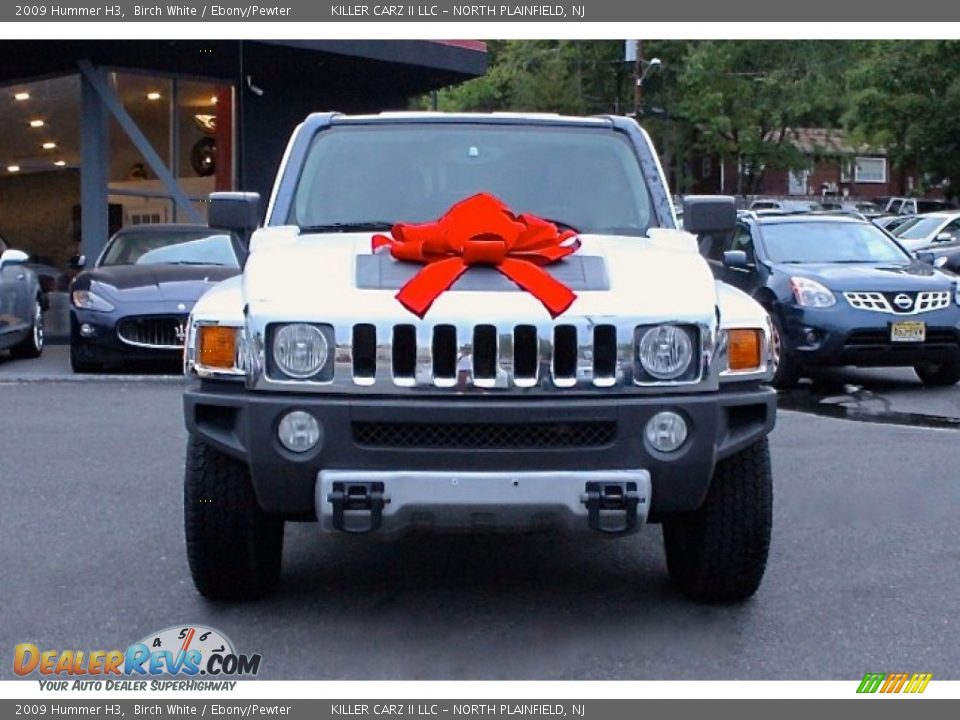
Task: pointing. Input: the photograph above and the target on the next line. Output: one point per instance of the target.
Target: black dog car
(132, 306)
(840, 291)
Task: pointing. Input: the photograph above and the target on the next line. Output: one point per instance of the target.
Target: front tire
(234, 548)
(32, 345)
(786, 370)
(719, 552)
(941, 375)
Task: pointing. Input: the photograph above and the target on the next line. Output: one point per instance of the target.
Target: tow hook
(611, 506)
(357, 506)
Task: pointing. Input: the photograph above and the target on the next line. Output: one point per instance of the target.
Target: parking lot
(861, 577)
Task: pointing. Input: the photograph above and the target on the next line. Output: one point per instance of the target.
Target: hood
(857, 276)
(316, 277)
(151, 283)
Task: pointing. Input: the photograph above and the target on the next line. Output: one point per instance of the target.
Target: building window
(865, 170)
(798, 182)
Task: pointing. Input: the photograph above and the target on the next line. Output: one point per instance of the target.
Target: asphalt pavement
(861, 577)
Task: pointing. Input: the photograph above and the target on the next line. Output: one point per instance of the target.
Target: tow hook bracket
(357, 506)
(611, 506)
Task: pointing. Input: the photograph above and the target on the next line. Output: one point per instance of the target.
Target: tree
(905, 97)
(743, 96)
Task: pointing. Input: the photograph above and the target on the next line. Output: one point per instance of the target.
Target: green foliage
(736, 98)
(905, 96)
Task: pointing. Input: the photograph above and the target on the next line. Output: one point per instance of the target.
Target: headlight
(810, 293)
(665, 351)
(299, 350)
(940, 261)
(88, 300)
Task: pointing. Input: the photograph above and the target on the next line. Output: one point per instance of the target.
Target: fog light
(666, 431)
(299, 431)
(87, 330)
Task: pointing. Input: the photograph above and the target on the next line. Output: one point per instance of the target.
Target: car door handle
(21, 277)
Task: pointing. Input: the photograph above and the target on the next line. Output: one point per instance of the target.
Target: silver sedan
(21, 305)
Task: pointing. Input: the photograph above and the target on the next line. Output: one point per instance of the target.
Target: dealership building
(97, 135)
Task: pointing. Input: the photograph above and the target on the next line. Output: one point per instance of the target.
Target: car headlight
(665, 351)
(940, 261)
(810, 293)
(89, 300)
(300, 351)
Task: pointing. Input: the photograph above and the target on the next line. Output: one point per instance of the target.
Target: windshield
(177, 248)
(918, 228)
(586, 178)
(825, 242)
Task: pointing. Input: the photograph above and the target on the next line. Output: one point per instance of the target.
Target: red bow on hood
(481, 230)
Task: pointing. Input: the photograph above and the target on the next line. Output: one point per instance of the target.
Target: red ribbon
(481, 230)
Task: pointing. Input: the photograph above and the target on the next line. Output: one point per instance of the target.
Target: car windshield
(175, 248)
(587, 178)
(830, 242)
(918, 228)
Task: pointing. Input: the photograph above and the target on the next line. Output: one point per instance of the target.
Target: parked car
(864, 208)
(944, 255)
(891, 222)
(785, 206)
(928, 229)
(914, 206)
(841, 292)
(133, 304)
(329, 383)
(21, 305)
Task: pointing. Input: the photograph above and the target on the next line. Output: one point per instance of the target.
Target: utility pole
(638, 81)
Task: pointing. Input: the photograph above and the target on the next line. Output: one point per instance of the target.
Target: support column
(94, 172)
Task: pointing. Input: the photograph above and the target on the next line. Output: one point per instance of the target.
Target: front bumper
(244, 424)
(105, 345)
(847, 336)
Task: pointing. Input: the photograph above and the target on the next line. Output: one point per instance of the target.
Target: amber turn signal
(217, 346)
(743, 349)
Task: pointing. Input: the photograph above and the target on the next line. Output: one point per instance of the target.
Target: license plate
(908, 332)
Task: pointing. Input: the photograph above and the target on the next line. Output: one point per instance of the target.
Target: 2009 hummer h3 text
(573, 365)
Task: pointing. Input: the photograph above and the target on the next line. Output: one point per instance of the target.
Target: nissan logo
(903, 301)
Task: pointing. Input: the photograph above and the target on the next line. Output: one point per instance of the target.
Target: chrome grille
(867, 301)
(925, 301)
(157, 332)
(487, 356)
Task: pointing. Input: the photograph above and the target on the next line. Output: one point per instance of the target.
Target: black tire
(947, 373)
(719, 552)
(80, 365)
(32, 345)
(787, 371)
(234, 548)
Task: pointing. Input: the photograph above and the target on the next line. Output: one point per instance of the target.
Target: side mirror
(704, 214)
(926, 257)
(77, 262)
(13, 257)
(943, 237)
(736, 259)
(238, 213)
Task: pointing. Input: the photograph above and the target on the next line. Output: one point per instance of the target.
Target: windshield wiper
(348, 226)
(561, 224)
